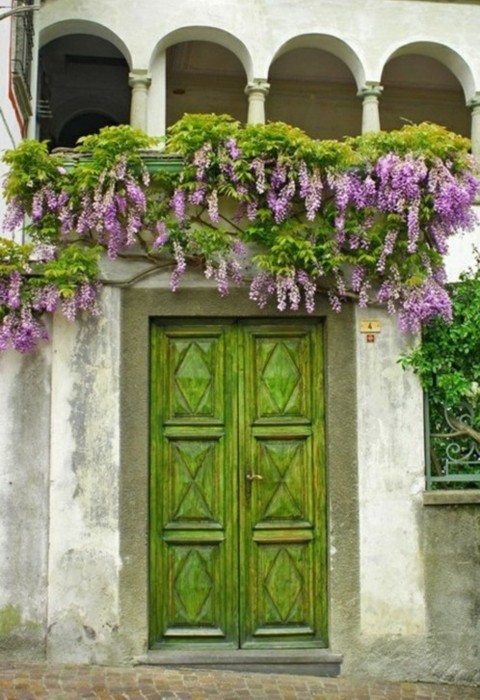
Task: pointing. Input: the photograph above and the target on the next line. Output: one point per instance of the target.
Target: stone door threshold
(308, 662)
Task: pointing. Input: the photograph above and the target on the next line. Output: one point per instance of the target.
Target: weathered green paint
(237, 485)
(10, 619)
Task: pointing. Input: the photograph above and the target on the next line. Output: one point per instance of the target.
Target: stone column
(474, 105)
(139, 81)
(257, 92)
(370, 114)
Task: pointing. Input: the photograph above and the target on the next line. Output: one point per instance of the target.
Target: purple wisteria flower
(21, 330)
(233, 149)
(219, 272)
(85, 298)
(14, 287)
(280, 201)
(14, 215)
(261, 288)
(421, 305)
(162, 235)
(453, 197)
(198, 195)
(136, 194)
(286, 288)
(181, 266)
(177, 203)
(387, 250)
(202, 159)
(252, 208)
(258, 167)
(46, 298)
(357, 277)
(212, 201)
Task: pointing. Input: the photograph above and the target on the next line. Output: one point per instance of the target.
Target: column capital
(258, 86)
(474, 102)
(370, 89)
(139, 77)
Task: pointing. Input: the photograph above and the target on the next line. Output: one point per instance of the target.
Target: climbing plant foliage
(448, 364)
(448, 359)
(369, 217)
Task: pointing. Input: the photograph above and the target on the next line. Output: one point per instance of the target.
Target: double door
(237, 492)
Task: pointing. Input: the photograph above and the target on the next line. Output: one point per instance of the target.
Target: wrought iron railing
(452, 447)
(22, 57)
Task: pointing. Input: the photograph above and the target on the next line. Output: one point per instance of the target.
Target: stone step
(309, 662)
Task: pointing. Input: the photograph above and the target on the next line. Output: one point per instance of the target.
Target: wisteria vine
(368, 218)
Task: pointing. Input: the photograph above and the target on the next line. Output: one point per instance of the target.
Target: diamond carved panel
(193, 587)
(194, 482)
(283, 584)
(284, 587)
(193, 378)
(283, 495)
(280, 381)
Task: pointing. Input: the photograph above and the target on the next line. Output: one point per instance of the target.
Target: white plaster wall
(24, 474)
(390, 484)
(24, 453)
(257, 29)
(461, 255)
(84, 561)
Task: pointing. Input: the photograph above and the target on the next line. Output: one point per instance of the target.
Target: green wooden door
(237, 516)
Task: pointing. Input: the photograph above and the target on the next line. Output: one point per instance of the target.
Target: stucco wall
(24, 502)
(451, 552)
(84, 560)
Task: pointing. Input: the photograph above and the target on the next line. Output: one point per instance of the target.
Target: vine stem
(136, 278)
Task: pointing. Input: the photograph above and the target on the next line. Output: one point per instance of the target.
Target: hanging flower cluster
(369, 217)
(39, 279)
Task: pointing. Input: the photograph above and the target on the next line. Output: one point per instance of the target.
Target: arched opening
(203, 76)
(81, 125)
(316, 91)
(83, 86)
(419, 88)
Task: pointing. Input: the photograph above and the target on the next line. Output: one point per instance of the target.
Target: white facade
(334, 67)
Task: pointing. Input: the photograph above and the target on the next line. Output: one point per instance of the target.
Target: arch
(445, 55)
(74, 109)
(82, 124)
(212, 35)
(63, 28)
(331, 44)
(81, 73)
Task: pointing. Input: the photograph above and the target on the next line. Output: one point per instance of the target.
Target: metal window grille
(22, 57)
(452, 446)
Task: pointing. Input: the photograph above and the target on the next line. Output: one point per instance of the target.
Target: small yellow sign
(370, 326)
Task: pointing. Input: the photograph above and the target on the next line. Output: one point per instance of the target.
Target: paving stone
(20, 681)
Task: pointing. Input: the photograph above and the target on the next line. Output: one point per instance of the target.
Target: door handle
(250, 479)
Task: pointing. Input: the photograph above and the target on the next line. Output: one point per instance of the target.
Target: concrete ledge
(308, 662)
(451, 498)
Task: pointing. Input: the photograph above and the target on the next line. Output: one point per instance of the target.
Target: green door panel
(282, 511)
(193, 522)
(237, 502)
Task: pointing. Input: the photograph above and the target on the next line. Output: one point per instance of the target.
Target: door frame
(136, 307)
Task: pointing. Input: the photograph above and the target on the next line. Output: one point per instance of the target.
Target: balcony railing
(22, 58)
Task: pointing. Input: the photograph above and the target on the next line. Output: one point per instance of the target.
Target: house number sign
(370, 328)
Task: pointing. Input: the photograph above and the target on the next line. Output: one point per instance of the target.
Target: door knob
(254, 477)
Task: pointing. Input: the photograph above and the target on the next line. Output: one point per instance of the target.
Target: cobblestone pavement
(66, 682)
